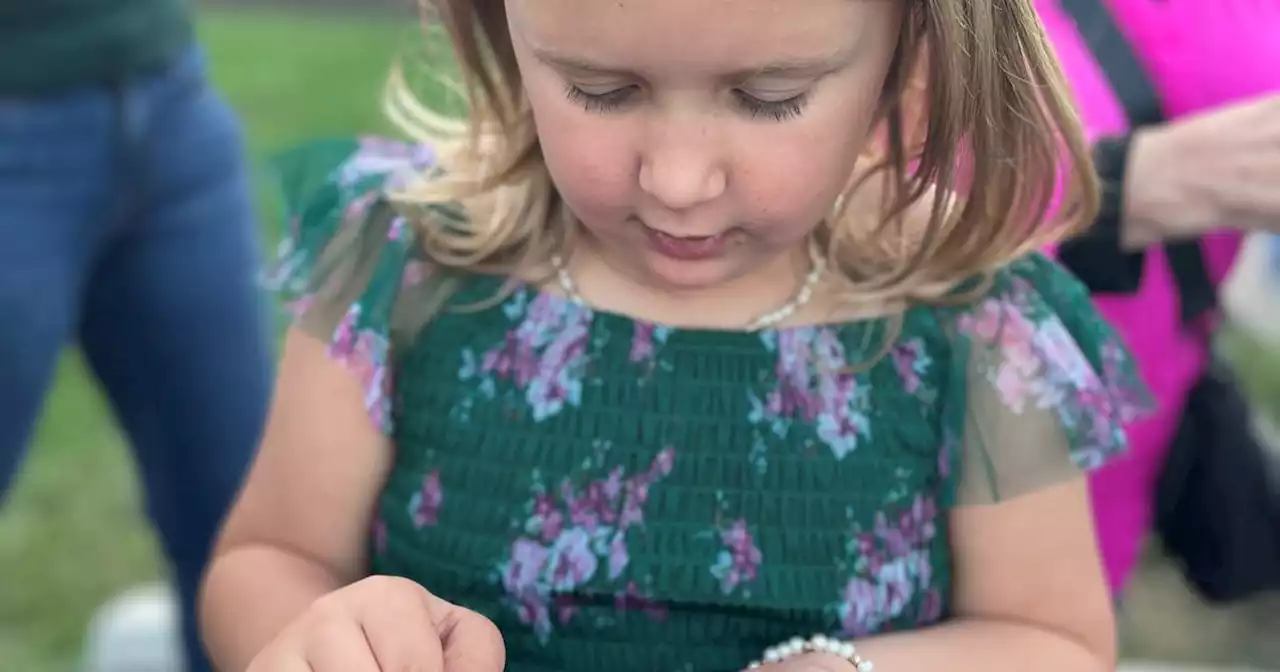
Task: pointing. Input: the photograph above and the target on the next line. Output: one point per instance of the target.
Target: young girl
(644, 368)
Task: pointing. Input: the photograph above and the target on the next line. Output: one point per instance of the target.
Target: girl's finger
(340, 646)
(400, 630)
(472, 643)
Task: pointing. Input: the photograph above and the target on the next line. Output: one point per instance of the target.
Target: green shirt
(620, 495)
(52, 45)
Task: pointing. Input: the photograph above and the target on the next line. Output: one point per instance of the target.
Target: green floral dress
(619, 495)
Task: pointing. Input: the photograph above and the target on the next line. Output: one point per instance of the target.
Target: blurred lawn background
(71, 535)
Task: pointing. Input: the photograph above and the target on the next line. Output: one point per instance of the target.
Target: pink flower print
(739, 560)
(645, 342)
(368, 361)
(842, 429)
(893, 539)
(868, 603)
(1062, 354)
(931, 607)
(588, 510)
(547, 521)
(364, 353)
(631, 599)
(532, 610)
(414, 273)
(522, 572)
(898, 585)
(619, 557)
(858, 608)
(399, 229)
(921, 522)
(353, 215)
(636, 489)
(642, 343)
(399, 161)
(983, 322)
(1015, 389)
(637, 493)
(344, 335)
(522, 579)
(611, 487)
(891, 567)
(911, 362)
(512, 361)
(424, 506)
(544, 356)
(572, 536)
(921, 567)
(571, 562)
(558, 381)
(565, 608)
(814, 386)
(794, 396)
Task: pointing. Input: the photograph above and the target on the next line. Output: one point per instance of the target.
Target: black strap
(1111, 50)
(1142, 105)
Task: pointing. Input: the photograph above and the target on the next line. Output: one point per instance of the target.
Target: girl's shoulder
(338, 224)
(346, 256)
(1038, 387)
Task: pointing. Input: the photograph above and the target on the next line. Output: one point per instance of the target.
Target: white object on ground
(1251, 294)
(138, 631)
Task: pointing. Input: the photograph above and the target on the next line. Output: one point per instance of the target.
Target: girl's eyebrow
(791, 68)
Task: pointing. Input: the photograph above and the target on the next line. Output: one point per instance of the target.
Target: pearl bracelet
(815, 644)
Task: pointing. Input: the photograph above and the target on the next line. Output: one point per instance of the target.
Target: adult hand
(384, 624)
(1216, 169)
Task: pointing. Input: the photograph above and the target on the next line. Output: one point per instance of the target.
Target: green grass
(71, 534)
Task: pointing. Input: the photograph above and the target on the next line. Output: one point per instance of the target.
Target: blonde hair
(985, 151)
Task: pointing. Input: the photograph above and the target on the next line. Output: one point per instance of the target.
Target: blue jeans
(127, 225)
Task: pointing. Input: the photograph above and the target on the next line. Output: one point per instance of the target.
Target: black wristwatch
(1096, 256)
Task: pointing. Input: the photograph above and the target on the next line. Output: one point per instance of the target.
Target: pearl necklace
(769, 319)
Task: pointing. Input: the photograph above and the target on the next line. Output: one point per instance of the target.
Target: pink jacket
(1200, 54)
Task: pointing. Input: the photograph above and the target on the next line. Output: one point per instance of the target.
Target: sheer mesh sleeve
(346, 252)
(1041, 387)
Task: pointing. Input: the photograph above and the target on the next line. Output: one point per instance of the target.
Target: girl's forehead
(719, 36)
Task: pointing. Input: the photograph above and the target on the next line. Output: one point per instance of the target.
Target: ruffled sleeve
(346, 253)
(1040, 388)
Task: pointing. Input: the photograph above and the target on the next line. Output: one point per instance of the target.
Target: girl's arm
(1029, 594)
(300, 527)
(1039, 392)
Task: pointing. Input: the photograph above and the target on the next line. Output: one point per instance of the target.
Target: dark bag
(1217, 512)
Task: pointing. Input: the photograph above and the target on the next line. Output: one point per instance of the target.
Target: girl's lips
(687, 248)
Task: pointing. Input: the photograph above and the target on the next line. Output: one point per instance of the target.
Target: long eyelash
(604, 102)
(777, 110)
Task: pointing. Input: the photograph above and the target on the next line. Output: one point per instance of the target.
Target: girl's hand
(1221, 168)
(384, 624)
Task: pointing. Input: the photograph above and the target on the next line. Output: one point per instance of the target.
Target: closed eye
(614, 99)
(777, 110)
(606, 101)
